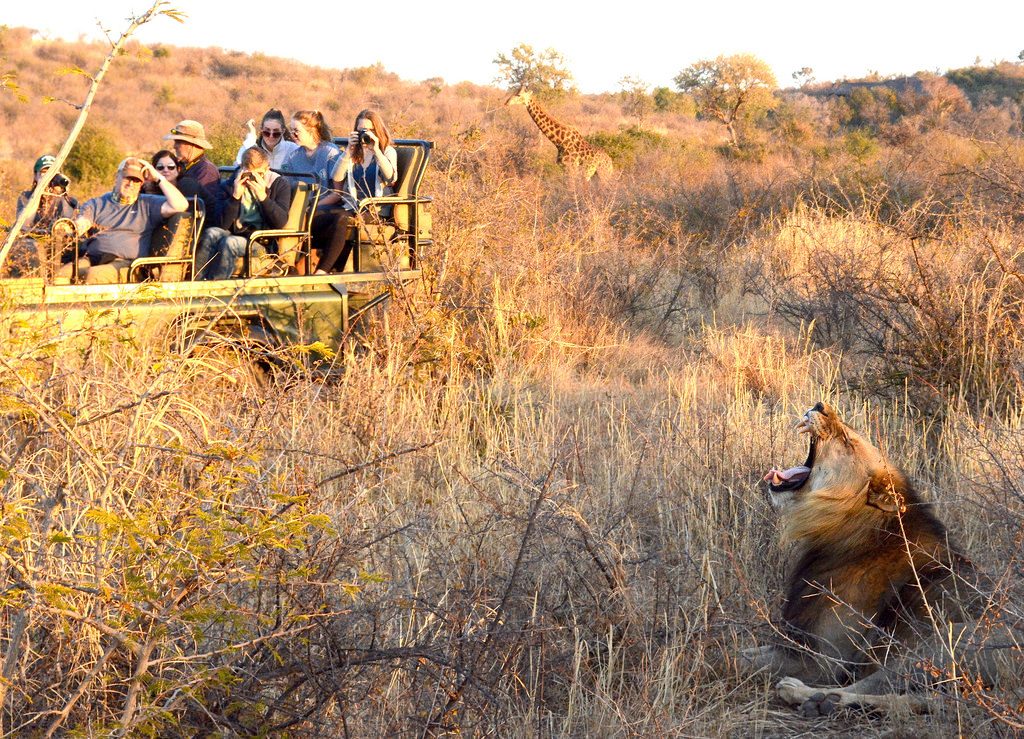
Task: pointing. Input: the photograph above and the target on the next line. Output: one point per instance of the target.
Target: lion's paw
(812, 703)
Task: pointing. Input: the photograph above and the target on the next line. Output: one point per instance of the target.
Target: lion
(878, 598)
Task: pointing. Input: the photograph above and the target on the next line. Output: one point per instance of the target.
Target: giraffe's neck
(560, 135)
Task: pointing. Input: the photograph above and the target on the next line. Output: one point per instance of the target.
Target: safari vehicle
(272, 301)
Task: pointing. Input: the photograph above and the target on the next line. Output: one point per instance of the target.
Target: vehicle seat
(391, 242)
(172, 248)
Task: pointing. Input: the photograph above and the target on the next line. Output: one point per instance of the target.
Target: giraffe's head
(520, 96)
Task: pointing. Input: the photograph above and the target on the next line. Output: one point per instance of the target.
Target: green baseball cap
(44, 162)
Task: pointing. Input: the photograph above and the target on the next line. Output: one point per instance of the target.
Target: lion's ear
(885, 492)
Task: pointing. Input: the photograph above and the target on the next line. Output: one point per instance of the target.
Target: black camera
(365, 138)
(59, 183)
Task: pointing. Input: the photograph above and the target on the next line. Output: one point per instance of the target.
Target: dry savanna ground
(530, 504)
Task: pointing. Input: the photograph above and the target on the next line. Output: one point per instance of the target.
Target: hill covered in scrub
(530, 504)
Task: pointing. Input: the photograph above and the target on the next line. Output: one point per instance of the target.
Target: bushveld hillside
(531, 504)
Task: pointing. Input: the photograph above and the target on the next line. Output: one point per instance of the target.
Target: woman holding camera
(258, 199)
(368, 169)
(272, 138)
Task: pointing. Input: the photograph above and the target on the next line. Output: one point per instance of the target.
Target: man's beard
(120, 199)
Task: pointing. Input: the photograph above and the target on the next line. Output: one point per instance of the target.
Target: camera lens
(365, 137)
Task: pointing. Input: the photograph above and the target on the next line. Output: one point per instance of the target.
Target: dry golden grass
(530, 505)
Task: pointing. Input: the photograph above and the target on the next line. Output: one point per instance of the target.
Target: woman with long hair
(316, 154)
(368, 169)
(272, 138)
(167, 164)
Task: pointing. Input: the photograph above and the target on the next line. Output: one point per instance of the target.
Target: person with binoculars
(28, 255)
(56, 202)
(368, 168)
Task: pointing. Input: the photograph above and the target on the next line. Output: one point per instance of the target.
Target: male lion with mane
(876, 593)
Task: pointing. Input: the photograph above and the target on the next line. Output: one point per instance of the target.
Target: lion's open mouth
(790, 479)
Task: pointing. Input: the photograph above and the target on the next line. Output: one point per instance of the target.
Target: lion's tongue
(793, 474)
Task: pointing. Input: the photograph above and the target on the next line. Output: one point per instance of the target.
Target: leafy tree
(624, 146)
(542, 73)
(635, 100)
(803, 76)
(94, 156)
(225, 139)
(667, 100)
(731, 89)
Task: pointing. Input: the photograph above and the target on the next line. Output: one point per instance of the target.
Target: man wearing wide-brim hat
(190, 146)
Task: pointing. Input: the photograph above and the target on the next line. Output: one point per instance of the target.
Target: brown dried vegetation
(530, 505)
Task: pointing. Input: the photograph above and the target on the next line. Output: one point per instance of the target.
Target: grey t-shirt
(320, 163)
(122, 230)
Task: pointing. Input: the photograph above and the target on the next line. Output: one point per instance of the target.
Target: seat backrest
(412, 161)
(296, 212)
(173, 240)
(176, 239)
(300, 218)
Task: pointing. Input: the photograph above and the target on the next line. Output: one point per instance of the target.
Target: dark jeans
(330, 229)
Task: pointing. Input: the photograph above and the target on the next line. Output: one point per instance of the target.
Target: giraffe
(573, 149)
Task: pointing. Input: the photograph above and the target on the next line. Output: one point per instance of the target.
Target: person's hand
(150, 171)
(240, 179)
(251, 126)
(353, 139)
(257, 186)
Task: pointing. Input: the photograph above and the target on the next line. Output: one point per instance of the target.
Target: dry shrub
(529, 504)
(932, 311)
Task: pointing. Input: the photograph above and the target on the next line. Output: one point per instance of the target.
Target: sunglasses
(272, 134)
(133, 180)
(166, 167)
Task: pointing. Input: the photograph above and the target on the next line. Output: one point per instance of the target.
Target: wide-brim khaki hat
(191, 132)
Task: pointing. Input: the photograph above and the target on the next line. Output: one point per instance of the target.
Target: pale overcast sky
(601, 41)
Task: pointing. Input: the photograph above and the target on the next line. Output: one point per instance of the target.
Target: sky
(602, 42)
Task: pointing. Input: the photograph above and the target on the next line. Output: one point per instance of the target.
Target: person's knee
(211, 236)
(236, 245)
(66, 271)
(106, 274)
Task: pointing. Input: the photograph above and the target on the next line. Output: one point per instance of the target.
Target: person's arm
(249, 141)
(67, 206)
(22, 202)
(339, 176)
(233, 204)
(276, 204)
(174, 201)
(387, 161)
(214, 195)
(387, 164)
(82, 217)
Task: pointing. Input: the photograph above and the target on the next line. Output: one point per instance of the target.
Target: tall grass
(530, 504)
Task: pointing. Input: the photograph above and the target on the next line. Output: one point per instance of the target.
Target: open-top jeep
(269, 302)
